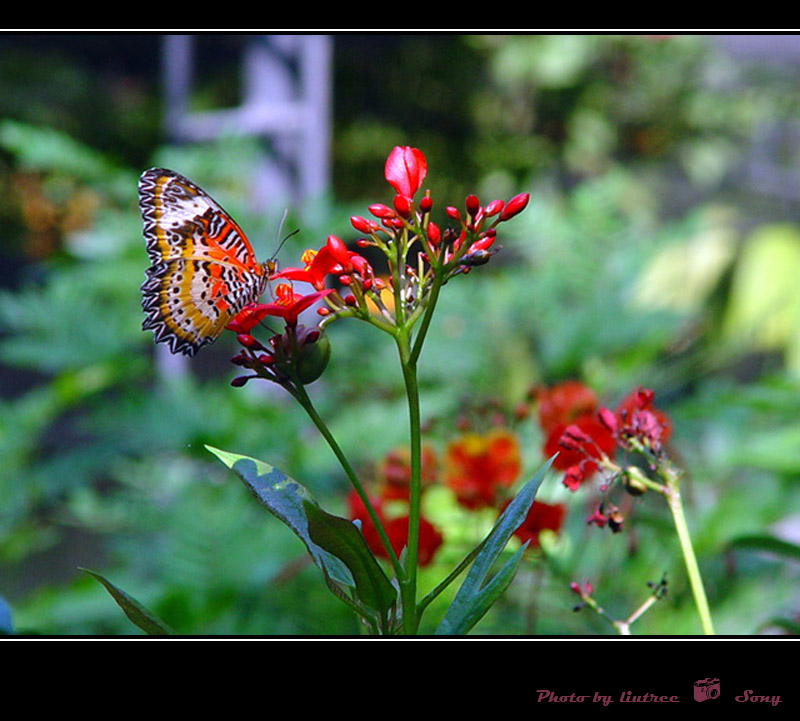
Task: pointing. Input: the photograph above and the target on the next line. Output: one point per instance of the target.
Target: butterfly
(203, 269)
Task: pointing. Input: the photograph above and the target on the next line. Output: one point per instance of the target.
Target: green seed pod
(634, 481)
(313, 355)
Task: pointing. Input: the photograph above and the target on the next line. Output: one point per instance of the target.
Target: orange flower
(477, 466)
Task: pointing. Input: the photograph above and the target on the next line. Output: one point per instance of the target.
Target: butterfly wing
(203, 270)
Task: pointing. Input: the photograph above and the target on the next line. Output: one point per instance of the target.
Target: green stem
(303, 398)
(692, 569)
(436, 286)
(408, 585)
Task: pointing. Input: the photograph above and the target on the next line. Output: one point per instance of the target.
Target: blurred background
(661, 247)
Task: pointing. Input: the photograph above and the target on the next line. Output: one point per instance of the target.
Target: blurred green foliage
(635, 263)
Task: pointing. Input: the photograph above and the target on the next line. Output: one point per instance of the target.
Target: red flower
(429, 538)
(396, 530)
(563, 403)
(579, 442)
(405, 170)
(477, 466)
(542, 516)
(287, 305)
(318, 263)
(637, 412)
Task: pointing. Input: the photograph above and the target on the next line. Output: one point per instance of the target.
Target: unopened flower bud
(426, 203)
(402, 206)
(514, 206)
(608, 419)
(453, 213)
(379, 210)
(362, 225)
(473, 205)
(239, 381)
(313, 356)
(494, 208)
(434, 236)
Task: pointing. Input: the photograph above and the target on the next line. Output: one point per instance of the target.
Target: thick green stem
(303, 398)
(408, 586)
(692, 569)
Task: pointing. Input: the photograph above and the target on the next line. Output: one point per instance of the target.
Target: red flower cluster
(584, 434)
(568, 416)
(459, 249)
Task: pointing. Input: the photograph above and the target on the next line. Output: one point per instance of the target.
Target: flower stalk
(672, 492)
(420, 260)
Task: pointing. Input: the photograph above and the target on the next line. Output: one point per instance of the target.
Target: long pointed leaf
(135, 611)
(341, 538)
(291, 503)
(476, 595)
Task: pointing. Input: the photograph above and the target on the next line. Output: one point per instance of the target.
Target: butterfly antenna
(286, 237)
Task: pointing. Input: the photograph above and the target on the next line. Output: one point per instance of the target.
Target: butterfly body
(203, 270)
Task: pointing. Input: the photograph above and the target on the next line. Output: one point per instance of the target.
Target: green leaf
(476, 595)
(340, 537)
(764, 542)
(289, 501)
(138, 614)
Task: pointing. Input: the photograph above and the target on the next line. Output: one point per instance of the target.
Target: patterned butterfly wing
(203, 270)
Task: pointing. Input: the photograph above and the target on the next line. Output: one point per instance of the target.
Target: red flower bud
(515, 205)
(573, 477)
(405, 170)
(573, 438)
(608, 419)
(402, 205)
(362, 225)
(434, 236)
(425, 204)
(379, 210)
(473, 205)
(494, 208)
(453, 213)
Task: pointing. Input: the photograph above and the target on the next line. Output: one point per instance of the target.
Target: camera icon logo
(706, 688)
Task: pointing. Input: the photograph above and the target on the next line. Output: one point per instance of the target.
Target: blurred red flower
(637, 410)
(394, 472)
(598, 441)
(477, 466)
(542, 516)
(396, 530)
(563, 403)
